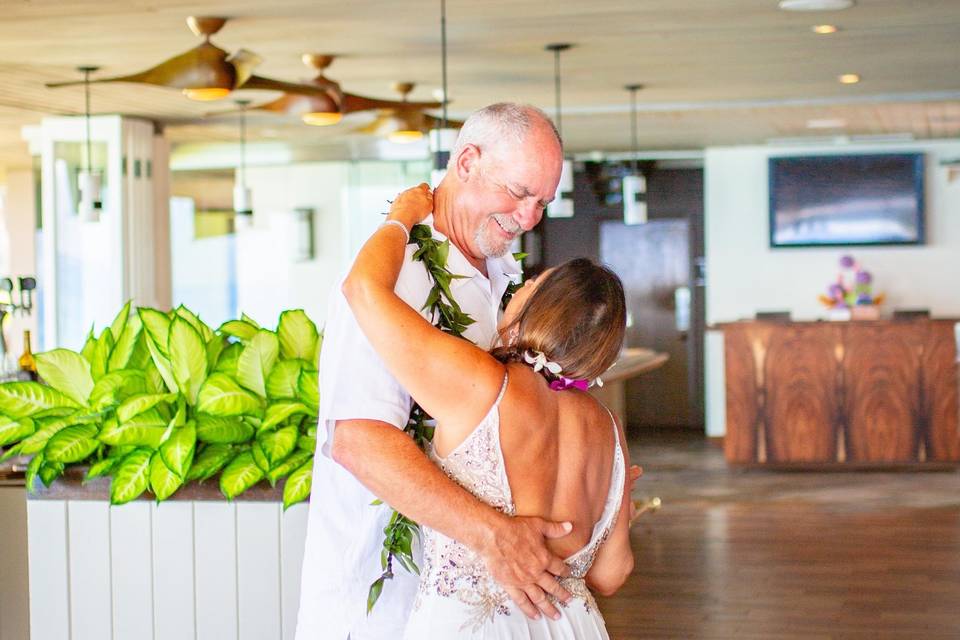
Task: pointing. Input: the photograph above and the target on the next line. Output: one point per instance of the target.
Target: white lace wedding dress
(458, 598)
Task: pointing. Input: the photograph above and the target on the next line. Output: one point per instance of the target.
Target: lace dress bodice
(451, 570)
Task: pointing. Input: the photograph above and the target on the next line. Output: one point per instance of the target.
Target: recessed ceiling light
(815, 5)
(826, 123)
(848, 78)
(824, 29)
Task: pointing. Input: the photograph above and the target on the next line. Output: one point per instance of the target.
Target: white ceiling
(715, 71)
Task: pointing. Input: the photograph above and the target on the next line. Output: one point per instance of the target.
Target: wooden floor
(759, 554)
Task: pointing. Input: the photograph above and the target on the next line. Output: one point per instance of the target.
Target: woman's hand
(412, 205)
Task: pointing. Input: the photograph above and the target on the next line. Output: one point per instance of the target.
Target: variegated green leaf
(126, 346)
(307, 443)
(120, 322)
(33, 468)
(146, 429)
(72, 444)
(238, 476)
(117, 386)
(227, 361)
(67, 372)
(282, 382)
(259, 457)
(136, 405)
(131, 477)
(214, 348)
(163, 482)
(15, 430)
(221, 396)
(278, 444)
(308, 387)
(280, 411)
(46, 429)
(101, 467)
(239, 329)
(288, 466)
(222, 430)
(297, 335)
(257, 361)
(162, 365)
(177, 451)
(297, 487)
(205, 332)
(101, 355)
(50, 471)
(26, 399)
(157, 325)
(188, 357)
(210, 461)
(249, 320)
(89, 346)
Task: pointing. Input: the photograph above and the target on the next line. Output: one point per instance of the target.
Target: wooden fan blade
(269, 84)
(352, 102)
(203, 66)
(244, 62)
(290, 104)
(433, 122)
(381, 123)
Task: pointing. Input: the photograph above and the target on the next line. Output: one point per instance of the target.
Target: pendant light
(242, 198)
(88, 180)
(443, 138)
(562, 205)
(634, 184)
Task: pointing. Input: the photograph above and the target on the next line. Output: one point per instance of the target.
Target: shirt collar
(500, 270)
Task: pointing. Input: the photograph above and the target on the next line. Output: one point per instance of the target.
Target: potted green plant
(158, 400)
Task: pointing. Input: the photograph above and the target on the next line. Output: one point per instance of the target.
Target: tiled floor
(761, 554)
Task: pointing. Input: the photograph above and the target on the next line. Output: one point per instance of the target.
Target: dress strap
(503, 390)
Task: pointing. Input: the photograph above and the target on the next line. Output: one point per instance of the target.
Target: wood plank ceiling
(715, 73)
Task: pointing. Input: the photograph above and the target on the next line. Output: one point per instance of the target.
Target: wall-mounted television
(843, 200)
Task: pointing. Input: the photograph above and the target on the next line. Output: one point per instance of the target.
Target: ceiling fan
(207, 72)
(330, 107)
(404, 121)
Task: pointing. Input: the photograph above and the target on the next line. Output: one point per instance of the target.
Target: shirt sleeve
(354, 382)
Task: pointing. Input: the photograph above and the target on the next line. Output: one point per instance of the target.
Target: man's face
(513, 185)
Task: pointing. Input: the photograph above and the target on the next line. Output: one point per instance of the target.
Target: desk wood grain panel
(802, 410)
(882, 391)
(940, 400)
(740, 443)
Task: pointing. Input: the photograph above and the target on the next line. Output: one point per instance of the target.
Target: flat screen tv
(846, 200)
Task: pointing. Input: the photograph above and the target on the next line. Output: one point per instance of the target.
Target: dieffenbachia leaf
(297, 335)
(117, 386)
(277, 445)
(221, 396)
(119, 323)
(239, 329)
(146, 429)
(15, 430)
(188, 357)
(45, 429)
(131, 477)
(257, 361)
(136, 405)
(280, 411)
(308, 388)
(177, 452)
(297, 487)
(157, 325)
(26, 399)
(228, 358)
(72, 444)
(126, 346)
(163, 482)
(101, 355)
(210, 461)
(282, 382)
(205, 332)
(67, 372)
(162, 365)
(241, 474)
(221, 430)
(292, 462)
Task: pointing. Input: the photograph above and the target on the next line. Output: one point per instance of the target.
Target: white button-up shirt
(344, 532)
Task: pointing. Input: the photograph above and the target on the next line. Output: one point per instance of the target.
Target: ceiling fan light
(322, 118)
(405, 136)
(207, 94)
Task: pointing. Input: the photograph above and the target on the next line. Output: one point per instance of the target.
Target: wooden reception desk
(842, 393)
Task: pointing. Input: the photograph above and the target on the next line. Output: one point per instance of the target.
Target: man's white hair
(499, 124)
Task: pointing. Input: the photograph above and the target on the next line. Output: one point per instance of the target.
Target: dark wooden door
(653, 260)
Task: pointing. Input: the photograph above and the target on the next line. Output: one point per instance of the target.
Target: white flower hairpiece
(539, 361)
(598, 381)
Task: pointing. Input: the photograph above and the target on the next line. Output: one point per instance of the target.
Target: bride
(514, 427)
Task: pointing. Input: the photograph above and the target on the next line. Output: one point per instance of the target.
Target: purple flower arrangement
(853, 287)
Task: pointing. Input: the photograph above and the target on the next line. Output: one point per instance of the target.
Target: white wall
(347, 197)
(745, 276)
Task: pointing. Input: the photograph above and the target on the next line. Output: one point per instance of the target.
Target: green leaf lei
(446, 315)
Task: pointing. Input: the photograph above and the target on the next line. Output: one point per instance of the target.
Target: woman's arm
(453, 380)
(614, 561)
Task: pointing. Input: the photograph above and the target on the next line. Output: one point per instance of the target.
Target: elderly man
(502, 173)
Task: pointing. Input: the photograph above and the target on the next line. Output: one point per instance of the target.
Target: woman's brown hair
(576, 317)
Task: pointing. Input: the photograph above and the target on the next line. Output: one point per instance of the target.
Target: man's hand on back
(518, 559)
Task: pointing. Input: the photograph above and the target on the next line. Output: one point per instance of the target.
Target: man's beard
(489, 240)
